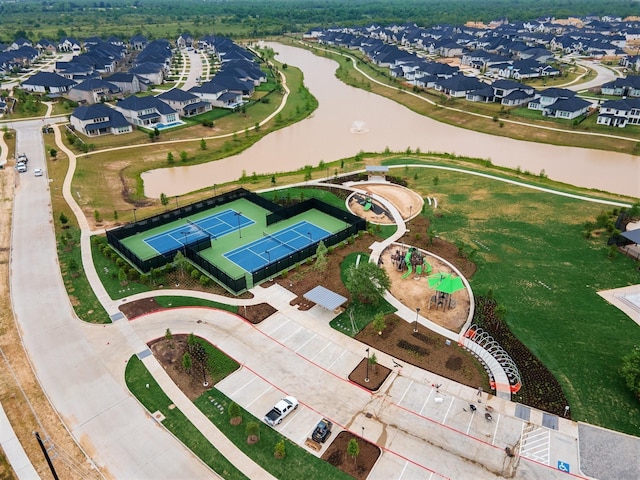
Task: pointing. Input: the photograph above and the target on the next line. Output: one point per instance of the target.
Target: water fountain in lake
(359, 127)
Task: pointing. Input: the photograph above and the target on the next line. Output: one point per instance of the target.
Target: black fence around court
(353, 224)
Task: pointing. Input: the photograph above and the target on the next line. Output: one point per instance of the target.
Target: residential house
(98, 119)
(458, 85)
(620, 113)
(623, 87)
(94, 90)
(138, 42)
(512, 94)
(147, 111)
(187, 104)
(154, 73)
(568, 109)
(69, 44)
(184, 41)
(46, 46)
(218, 95)
(128, 83)
(20, 42)
(549, 96)
(48, 83)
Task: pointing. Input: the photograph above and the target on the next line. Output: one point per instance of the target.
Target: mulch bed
(253, 313)
(377, 375)
(427, 350)
(336, 455)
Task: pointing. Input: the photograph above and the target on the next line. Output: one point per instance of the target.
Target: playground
(418, 288)
(406, 201)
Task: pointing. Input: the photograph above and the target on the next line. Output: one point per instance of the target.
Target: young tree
(168, 336)
(180, 262)
(53, 152)
(164, 200)
(279, 450)
(63, 220)
(184, 156)
(253, 433)
(235, 414)
(373, 362)
(353, 449)
(378, 323)
(187, 362)
(97, 217)
(631, 371)
(122, 276)
(170, 158)
(203, 144)
(367, 282)
(273, 179)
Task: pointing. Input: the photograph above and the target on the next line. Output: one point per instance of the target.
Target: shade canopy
(445, 283)
(632, 235)
(325, 297)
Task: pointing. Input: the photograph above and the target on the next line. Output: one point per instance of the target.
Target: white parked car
(283, 408)
(37, 172)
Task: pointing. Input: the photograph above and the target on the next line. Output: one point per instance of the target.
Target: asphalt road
(89, 394)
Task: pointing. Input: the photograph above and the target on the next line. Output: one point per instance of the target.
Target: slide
(408, 271)
(367, 206)
(427, 267)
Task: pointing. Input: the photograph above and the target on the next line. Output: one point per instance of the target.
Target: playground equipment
(367, 203)
(412, 259)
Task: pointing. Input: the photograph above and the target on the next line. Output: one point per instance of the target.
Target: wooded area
(35, 19)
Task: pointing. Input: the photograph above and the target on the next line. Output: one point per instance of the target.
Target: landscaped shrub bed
(540, 389)
(412, 347)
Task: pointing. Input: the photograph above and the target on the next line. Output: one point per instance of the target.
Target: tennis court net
(199, 228)
(277, 240)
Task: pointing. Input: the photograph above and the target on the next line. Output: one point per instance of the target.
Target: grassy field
(154, 399)
(531, 252)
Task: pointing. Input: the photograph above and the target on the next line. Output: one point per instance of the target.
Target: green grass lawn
(297, 464)
(363, 313)
(169, 301)
(531, 251)
(153, 398)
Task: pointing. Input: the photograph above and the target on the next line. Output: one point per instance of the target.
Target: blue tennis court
(213, 226)
(273, 247)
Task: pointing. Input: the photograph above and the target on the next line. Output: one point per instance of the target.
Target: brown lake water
(349, 120)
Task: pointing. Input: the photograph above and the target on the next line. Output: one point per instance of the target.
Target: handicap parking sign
(563, 466)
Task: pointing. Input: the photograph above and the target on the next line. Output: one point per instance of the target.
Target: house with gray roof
(147, 111)
(98, 119)
(620, 113)
(93, 90)
(568, 109)
(49, 83)
(187, 104)
(129, 83)
(218, 95)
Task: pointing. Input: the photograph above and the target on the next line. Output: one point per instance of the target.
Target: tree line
(38, 18)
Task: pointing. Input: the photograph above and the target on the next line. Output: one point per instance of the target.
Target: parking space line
(252, 401)
(322, 350)
(287, 338)
(405, 392)
(291, 417)
(403, 469)
(278, 328)
(426, 401)
(473, 414)
(495, 431)
(444, 420)
(329, 367)
(242, 387)
(301, 346)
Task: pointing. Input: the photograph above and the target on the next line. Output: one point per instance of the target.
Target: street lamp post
(363, 433)
(415, 324)
(134, 215)
(177, 202)
(366, 378)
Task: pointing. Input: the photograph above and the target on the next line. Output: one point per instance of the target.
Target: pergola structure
(325, 298)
